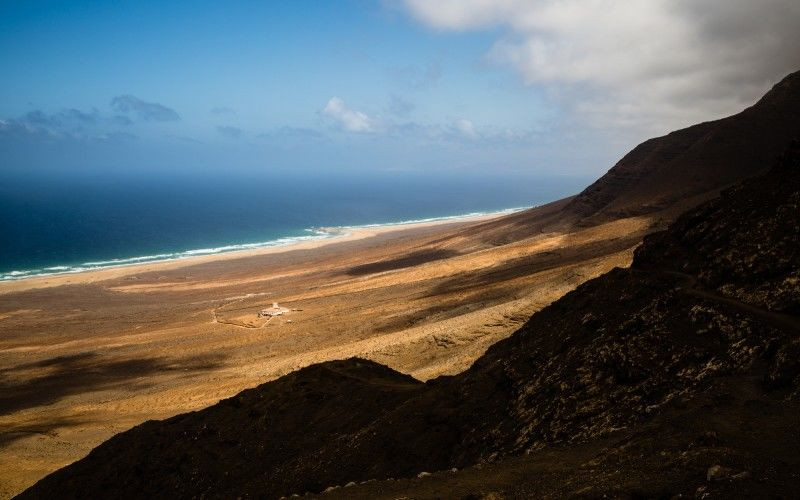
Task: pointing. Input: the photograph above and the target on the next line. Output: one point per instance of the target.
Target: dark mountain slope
(696, 161)
(671, 173)
(704, 322)
(744, 436)
(273, 429)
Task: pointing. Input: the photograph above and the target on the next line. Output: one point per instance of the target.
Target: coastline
(117, 268)
(92, 354)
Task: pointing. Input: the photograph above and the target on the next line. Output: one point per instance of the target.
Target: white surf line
(318, 234)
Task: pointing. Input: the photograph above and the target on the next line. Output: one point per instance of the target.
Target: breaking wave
(315, 233)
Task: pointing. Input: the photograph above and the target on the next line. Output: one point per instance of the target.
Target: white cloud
(349, 119)
(465, 132)
(657, 64)
(462, 130)
(466, 128)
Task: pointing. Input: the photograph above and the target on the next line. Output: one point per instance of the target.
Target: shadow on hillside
(47, 381)
(11, 433)
(566, 255)
(410, 260)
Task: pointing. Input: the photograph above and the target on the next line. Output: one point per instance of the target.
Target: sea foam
(315, 233)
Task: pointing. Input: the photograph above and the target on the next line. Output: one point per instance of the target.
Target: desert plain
(85, 356)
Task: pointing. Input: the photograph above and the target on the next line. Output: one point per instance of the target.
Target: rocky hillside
(629, 366)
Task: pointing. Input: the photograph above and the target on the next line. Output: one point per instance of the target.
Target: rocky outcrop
(743, 245)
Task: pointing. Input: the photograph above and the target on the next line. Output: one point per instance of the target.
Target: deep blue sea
(67, 223)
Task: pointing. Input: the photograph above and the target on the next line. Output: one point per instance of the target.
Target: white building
(275, 310)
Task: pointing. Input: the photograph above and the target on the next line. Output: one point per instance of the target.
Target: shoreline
(89, 355)
(117, 268)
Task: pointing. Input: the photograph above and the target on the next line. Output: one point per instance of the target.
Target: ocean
(67, 222)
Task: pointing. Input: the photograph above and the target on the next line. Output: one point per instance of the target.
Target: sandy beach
(84, 356)
(339, 235)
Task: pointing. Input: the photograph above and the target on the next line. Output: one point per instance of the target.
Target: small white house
(270, 312)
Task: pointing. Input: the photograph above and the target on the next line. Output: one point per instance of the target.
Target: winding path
(778, 320)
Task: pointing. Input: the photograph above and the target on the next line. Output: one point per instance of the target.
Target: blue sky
(351, 85)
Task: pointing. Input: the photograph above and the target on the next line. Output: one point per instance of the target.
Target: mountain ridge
(697, 160)
(665, 176)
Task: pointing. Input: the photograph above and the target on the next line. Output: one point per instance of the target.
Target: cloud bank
(653, 64)
(229, 131)
(148, 111)
(72, 124)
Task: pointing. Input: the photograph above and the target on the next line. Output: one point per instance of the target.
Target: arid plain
(85, 356)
